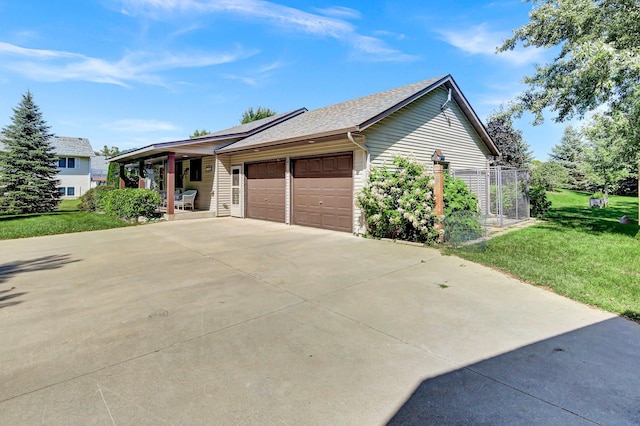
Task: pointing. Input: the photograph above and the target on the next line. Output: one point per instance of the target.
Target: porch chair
(188, 199)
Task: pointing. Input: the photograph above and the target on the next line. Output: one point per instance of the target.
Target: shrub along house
(306, 167)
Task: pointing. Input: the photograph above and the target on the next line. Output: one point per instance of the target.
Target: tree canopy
(253, 115)
(197, 133)
(108, 152)
(28, 163)
(515, 151)
(569, 153)
(599, 58)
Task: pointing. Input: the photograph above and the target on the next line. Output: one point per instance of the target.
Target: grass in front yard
(65, 220)
(579, 252)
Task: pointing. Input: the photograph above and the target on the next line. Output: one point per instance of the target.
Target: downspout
(357, 227)
(359, 145)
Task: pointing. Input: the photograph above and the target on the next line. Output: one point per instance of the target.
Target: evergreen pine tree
(570, 154)
(28, 164)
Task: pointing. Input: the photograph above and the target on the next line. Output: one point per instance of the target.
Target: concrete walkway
(229, 321)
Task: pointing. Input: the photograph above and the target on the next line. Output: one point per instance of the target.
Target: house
(74, 165)
(99, 169)
(306, 167)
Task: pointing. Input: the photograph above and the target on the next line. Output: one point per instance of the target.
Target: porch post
(171, 182)
(122, 184)
(141, 174)
(438, 195)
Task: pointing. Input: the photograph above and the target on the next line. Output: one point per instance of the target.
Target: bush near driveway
(398, 203)
(130, 203)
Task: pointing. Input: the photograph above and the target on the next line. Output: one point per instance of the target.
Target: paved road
(228, 321)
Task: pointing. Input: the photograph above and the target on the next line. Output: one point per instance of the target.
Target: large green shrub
(399, 203)
(130, 203)
(461, 216)
(538, 201)
(91, 200)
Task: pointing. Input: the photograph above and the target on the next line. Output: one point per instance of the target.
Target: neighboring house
(99, 169)
(74, 165)
(307, 167)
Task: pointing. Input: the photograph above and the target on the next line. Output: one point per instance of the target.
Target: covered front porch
(172, 169)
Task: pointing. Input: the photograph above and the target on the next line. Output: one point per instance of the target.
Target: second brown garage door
(266, 191)
(323, 192)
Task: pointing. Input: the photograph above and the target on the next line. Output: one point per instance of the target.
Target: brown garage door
(323, 192)
(266, 191)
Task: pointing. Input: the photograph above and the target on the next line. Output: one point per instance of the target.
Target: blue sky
(128, 73)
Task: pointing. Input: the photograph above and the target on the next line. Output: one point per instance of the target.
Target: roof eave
(472, 117)
(384, 114)
(230, 149)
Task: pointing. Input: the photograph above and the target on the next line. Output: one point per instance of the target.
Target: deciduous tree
(197, 133)
(598, 62)
(253, 115)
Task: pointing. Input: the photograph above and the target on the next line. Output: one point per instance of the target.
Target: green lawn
(581, 253)
(65, 220)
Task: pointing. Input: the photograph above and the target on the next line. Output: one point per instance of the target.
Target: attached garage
(322, 194)
(265, 190)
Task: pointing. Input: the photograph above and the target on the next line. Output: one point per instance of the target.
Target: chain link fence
(503, 193)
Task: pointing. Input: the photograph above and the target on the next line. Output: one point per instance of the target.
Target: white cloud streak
(479, 40)
(339, 12)
(136, 125)
(333, 25)
(140, 67)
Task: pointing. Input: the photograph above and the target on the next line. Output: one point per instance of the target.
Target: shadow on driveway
(11, 269)
(586, 376)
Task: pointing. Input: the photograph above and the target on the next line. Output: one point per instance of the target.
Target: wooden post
(141, 174)
(438, 196)
(171, 182)
(122, 184)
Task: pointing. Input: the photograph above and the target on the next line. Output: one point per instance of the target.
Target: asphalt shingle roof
(350, 115)
(62, 145)
(249, 127)
(75, 147)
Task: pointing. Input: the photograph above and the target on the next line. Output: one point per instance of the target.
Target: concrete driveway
(229, 321)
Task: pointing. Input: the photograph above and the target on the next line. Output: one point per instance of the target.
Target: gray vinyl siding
(292, 152)
(222, 186)
(204, 187)
(421, 127)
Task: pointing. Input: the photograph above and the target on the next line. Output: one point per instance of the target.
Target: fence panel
(503, 193)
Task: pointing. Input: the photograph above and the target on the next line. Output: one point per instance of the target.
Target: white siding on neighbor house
(222, 186)
(78, 178)
(204, 187)
(287, 153)
(421, 127)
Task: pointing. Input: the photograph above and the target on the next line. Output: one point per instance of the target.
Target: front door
(236, 211)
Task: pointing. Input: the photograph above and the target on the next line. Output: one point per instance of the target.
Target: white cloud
(256, 76)
(289, 18)
(141, 67)
(390, 34)
(479, 40)
(136, 125)
(340, 12)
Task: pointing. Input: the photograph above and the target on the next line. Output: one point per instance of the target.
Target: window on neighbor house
(62, 191)
(195, 170)
(71, 191)
(67, 163)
